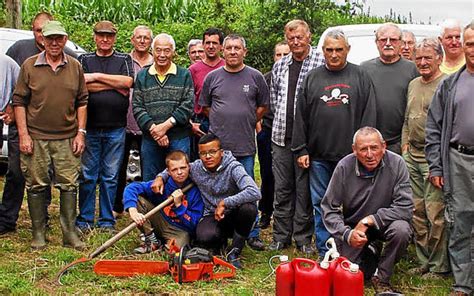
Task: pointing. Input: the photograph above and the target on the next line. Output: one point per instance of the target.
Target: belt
(462, 149)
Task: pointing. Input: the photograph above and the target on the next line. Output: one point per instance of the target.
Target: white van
(362, 38)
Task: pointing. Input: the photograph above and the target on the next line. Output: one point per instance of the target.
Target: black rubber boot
(67, 208)
(36, 201)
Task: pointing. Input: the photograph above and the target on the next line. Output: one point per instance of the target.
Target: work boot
(67, 209)
(233, 256)
(36, 202)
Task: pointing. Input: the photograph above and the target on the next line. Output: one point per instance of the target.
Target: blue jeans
(153, 155)
(249, 162)
(100, 163)
(320, 173)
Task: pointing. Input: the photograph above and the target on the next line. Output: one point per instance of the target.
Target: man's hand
(90, 77)
(177, 197)
(123, 91)
(159, 130)
(258, 127)
(303, 161)
(163, 141)
(26, 145)
(78, 144)
(219, 212)
(196, 128)
(404, 148)
(437, 181)
(358, 239)
(8, 116)
(158, 185)
(136, 216)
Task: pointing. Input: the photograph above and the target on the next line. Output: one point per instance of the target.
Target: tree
(13, 13)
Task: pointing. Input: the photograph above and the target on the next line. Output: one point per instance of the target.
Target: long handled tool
(118, 236)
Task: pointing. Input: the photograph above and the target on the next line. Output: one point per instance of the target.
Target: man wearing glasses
(229, 194)
(390, 75)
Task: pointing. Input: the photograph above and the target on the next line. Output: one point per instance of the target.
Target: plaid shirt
(279, 90)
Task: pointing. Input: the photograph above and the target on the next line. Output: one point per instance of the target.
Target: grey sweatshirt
(352, 195)
(229, 182)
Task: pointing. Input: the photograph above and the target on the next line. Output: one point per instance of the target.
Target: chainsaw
(186, 265)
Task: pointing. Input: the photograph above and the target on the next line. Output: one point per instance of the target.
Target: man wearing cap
(109, 76)
(50, 102)
(14, 188)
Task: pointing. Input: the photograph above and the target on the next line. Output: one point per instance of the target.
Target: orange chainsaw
(186, 265)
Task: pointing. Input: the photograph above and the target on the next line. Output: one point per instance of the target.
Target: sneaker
(233, 257)
(307, 249)
(434, 276)
(83, 230)
(381, 287)
(264, 221)
(458, 293)
(256, 244)
(151, 244)
(277, 246)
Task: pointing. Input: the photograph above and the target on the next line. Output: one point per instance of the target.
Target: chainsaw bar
(130, 267)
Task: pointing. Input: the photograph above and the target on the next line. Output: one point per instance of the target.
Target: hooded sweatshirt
(229, 182)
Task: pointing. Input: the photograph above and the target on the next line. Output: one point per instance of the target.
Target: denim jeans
(153, 155)
(319, 176)
(249, 162)
(100, 163)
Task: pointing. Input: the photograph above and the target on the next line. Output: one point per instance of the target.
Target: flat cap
(105, 27)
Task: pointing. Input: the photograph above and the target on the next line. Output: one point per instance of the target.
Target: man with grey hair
(109, 76)
(141, 56)
(292, 215)
(449, 152)
(368, 202)
(390, 75)
(336, 99)
(450, 38)
(428, 218)
(408, 45)
(195, 50)
(162, 105)
(234, 98)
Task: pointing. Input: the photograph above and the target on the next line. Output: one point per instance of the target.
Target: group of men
(342, 148)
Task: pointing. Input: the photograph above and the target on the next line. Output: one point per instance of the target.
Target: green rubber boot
(36, 202)
(67, 209)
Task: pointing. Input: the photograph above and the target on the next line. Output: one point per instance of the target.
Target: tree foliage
(259, 22)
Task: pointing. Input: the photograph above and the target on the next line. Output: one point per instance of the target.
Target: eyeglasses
(211, 153)
(197, 51)
(386, 40)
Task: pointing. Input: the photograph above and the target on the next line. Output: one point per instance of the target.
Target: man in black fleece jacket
(369, 199)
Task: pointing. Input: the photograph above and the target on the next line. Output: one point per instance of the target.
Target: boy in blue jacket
(176, 221)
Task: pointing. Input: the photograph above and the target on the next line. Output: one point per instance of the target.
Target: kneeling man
(230, 198)
(369, 201)
(176, 221)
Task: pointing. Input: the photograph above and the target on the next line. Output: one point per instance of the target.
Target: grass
(24, 271)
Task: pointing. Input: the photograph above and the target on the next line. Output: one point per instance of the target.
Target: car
(8, 37)
(362, 38)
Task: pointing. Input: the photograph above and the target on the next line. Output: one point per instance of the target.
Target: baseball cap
(53, 28)
(105, 27)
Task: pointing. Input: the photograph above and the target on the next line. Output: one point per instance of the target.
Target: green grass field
(24, 271)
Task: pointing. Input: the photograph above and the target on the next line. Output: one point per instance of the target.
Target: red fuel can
(285, 279)
(347, 280)
(310, 278)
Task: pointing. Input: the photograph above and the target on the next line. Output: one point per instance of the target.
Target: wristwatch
(173, 121)
(365, 221)
(83, 131)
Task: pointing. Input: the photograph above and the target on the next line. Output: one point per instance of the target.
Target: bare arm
(260, 112)
(26, 143)
(115, 81)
